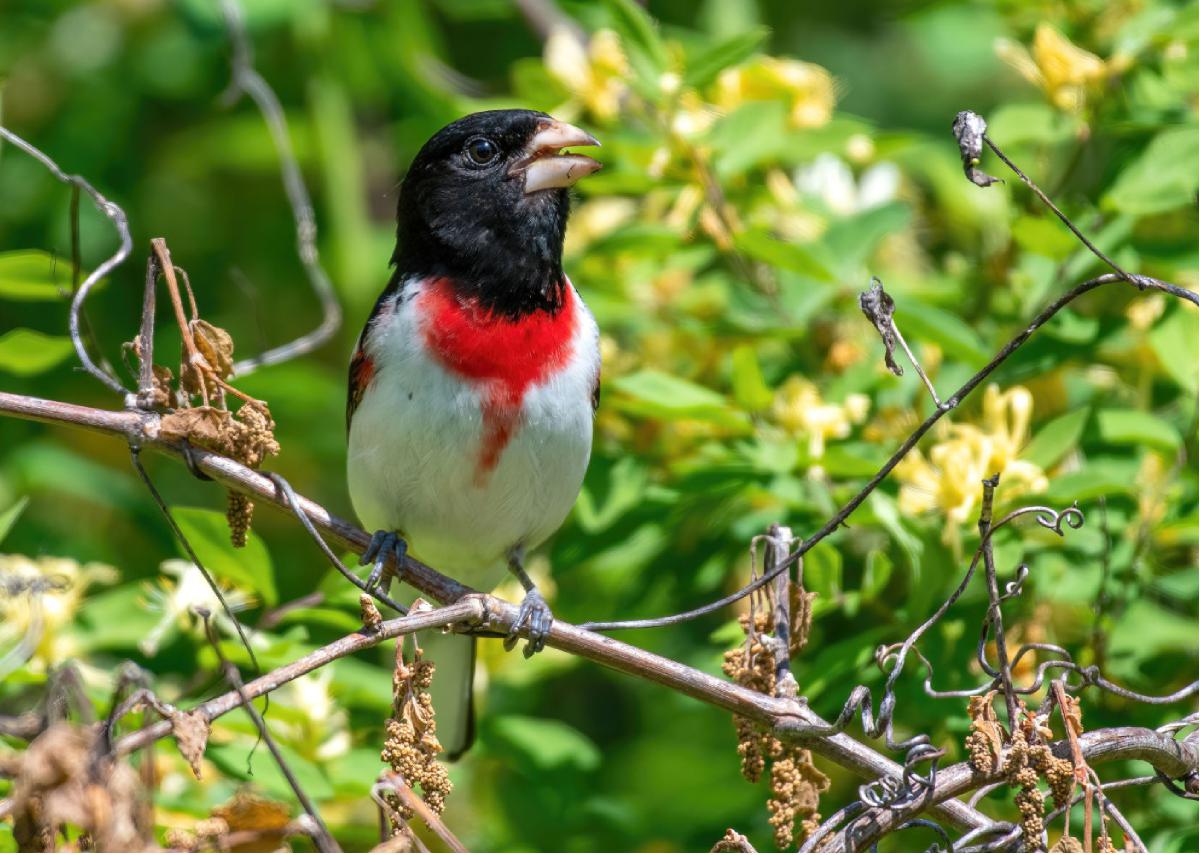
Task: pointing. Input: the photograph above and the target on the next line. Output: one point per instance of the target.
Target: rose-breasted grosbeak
(475, 380)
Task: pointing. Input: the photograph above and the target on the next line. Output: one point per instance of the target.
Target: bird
(474, 384)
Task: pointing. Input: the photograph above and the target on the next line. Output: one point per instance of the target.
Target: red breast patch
(504, 356)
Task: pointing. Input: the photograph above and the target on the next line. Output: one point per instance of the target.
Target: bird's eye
(482, 151)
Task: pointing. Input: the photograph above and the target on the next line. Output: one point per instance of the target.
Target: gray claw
(537, 615)
(382, 544)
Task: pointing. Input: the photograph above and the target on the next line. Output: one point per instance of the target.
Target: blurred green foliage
(763, 159)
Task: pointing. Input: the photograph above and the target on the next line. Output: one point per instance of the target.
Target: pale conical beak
(543, 164)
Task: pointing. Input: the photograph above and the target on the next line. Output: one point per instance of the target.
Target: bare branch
(116, 216)
(246, 79)
(790, 718)
(1174, 758)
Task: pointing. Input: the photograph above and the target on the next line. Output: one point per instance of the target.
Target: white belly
(414, 445)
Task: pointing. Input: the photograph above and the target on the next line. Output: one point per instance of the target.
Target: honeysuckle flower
(830, 179)
(1064, 71)
(178, 599)
(44, 595)
(320, 725)
(594, 74)
(799, 408)
(806, 88)
(949, 480)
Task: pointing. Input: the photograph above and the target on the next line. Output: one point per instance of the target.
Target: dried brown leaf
(215, 345)
(191, 731)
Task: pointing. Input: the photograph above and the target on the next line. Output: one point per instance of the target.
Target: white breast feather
(415, 440)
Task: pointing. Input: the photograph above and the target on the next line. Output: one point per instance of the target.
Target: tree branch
(788, 717)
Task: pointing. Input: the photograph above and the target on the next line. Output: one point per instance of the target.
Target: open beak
(544, 164)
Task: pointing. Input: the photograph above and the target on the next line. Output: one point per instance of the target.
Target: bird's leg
(533, 611)
(383, 543)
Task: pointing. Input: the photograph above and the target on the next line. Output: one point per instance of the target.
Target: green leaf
(1177, 347)
(9, 518)
(921, 321)
(876, 574)
(1163, 177)
(32, 275)
(1100, 477)
(823, 572)
(749, 388)
(544, 743)
(1135, 427)
(233, 759)
(704, 68)
(1012, 124)
(761, 246)
(639, 36)
(851, 239)
(626, 487)
(1056, 438)
(658, 395)
(26, 352)
(249, 567)
(1043, 235)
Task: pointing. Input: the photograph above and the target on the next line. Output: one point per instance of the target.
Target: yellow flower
(39, 598)
(594, 74)
(1144, 311)
(806, 88)
(1063, 70)
(949, 481)
(800, 409)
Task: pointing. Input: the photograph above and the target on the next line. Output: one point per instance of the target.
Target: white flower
(178, 601)
(830, 179)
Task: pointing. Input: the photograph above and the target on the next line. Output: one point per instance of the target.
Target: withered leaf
(215, 345)
(206, 426)
(969, 129)
(191, 731)
(878, 306)
(249, 812)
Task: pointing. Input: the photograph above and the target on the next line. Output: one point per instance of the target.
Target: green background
(692, 458)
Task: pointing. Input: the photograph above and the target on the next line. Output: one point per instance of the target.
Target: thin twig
(321, 836)
(994, 615)
(1139, 281)
(145, 348)
(394, 782)
(117, 217)
(937, 402)
(135, 457)
(245, 79)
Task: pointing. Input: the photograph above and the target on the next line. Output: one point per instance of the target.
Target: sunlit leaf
(249, 567)
(9, 518)
(1136, 427)
(704, 68)
(1056, 438)
(30, 275)
(1162, 178)
(26, 352)
(544, 743)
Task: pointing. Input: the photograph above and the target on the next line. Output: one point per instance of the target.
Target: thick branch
(787, 716)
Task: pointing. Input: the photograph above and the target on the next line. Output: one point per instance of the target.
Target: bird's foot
(537, 616)
(383, 543)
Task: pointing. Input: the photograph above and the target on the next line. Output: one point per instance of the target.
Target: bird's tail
(453, 697)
